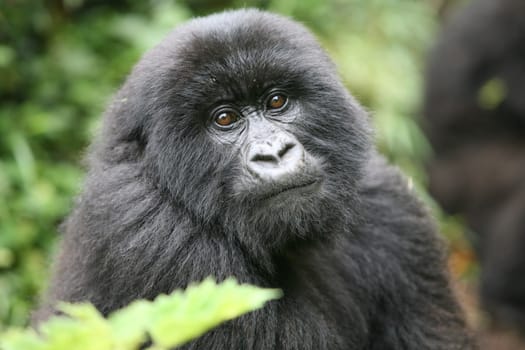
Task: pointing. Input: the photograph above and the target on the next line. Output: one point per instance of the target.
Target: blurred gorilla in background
(233, 149)
(479, 164)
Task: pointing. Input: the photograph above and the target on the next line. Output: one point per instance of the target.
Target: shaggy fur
(168, 201)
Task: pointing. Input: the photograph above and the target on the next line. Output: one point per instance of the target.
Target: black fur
(167, 201)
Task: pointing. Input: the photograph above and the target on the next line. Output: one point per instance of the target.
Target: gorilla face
(239, 122)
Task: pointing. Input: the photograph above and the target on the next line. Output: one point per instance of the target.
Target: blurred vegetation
(61, 60)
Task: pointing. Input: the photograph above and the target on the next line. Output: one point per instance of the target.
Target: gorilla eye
(226, 118)
(276, 101)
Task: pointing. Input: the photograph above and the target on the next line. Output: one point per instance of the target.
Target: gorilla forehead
(242, 53)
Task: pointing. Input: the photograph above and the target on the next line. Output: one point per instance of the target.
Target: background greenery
(61, 60)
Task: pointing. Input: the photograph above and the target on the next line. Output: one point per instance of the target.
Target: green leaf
(85, 330)
(18, 339)
(129, 325)
(179, 318)
(171, 320)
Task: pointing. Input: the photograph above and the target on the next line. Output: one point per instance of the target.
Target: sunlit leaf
(171, 320)
(19, 339)
(129, 325)
(207, 305)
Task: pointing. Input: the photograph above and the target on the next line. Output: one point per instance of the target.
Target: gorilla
(233, 149)
(478, 167)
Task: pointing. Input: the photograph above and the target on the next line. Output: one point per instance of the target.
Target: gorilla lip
(290, 188)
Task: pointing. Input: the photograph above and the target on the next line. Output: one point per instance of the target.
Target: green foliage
(169, 320)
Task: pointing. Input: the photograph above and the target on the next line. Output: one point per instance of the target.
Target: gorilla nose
(276, 157)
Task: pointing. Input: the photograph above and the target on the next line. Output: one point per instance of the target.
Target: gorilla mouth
(290, 188)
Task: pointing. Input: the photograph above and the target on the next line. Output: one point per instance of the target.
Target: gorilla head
(240, 118)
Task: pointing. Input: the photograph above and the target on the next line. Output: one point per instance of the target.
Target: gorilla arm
(417, 309)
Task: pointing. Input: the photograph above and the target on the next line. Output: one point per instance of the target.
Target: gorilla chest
(316, 324)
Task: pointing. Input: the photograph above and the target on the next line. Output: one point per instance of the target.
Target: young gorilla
(233, 149)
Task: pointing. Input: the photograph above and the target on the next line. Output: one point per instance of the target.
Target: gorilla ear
(124, 135)
(128, 117)
(137, 135)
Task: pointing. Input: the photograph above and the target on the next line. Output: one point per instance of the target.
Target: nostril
(274, 158)
(264, 158)
(285, 149)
